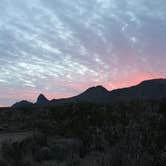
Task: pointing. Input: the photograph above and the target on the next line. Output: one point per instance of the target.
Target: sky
(62, 47)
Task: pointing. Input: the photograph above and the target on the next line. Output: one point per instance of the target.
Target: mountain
(96, 94)
(42, 100)
(147, 90)
(22, 104)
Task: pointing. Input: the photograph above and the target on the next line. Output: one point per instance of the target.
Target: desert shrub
(25, 152)
(162, 106)
(3, 163)
(14, 154)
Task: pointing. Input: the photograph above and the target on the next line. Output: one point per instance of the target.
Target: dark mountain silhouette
(94, 94)
(42, 100)
(22, 104)
(147, 90)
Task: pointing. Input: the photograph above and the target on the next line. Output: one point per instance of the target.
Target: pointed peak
(42, 100)
(41, 96)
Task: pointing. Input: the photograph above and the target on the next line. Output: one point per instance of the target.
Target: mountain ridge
(153, 89)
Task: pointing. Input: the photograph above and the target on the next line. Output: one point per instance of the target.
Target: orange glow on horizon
(127, 82)
(132, 80)
(32, 94)
(2, 106)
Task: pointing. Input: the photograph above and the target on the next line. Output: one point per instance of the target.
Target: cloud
(65, 46)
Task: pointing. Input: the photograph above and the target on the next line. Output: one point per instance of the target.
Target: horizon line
(3, 106)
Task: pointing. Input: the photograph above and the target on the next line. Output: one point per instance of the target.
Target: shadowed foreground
(122, 134)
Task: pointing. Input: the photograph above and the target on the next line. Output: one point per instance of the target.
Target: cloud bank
(61, 47)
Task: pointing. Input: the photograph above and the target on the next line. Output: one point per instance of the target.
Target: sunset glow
(60, 47)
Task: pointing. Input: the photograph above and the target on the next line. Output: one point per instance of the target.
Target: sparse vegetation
(123, 134)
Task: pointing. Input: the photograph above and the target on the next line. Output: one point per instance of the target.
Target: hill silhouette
(22, 104)
(150, 89)
(42, 100)
(147, 90)
(94, 126)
